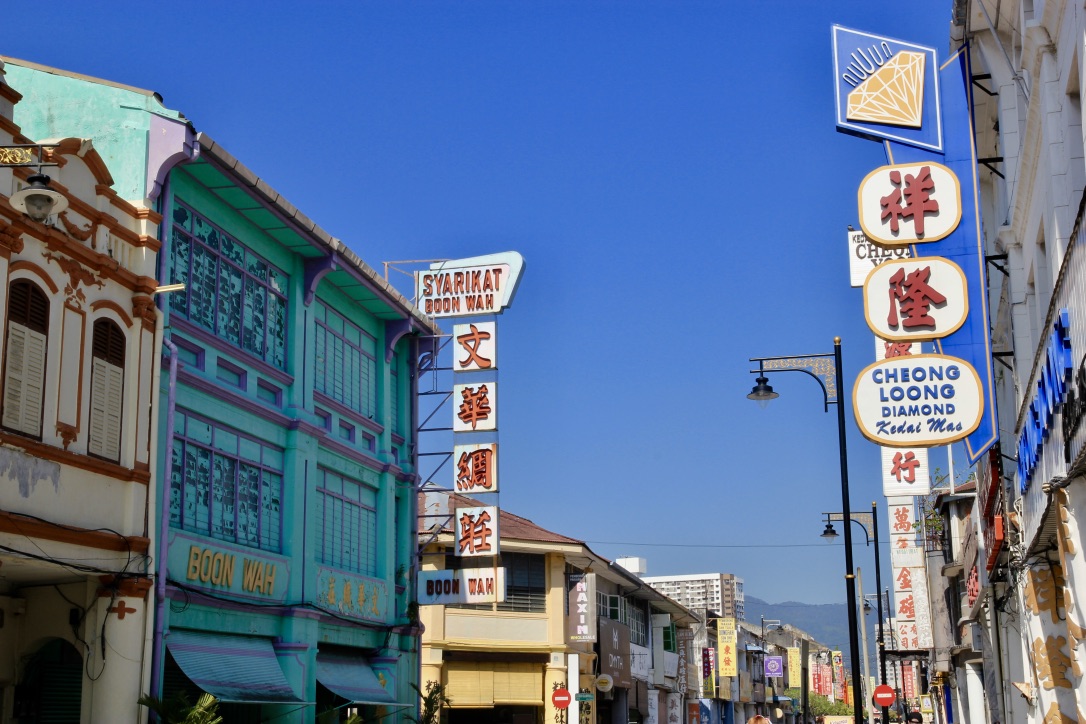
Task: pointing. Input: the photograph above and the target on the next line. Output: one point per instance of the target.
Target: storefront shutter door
(519, 683)
(105, 409)
(469, 683)
(24, 379)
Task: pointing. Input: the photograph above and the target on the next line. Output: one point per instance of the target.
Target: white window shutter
(25, 379)
(107, 393)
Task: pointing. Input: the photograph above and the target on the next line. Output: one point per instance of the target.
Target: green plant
(176, 709)
(431, 703)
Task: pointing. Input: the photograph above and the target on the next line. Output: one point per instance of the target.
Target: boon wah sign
(924, 199)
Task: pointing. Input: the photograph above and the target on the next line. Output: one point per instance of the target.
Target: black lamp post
(864, 520)
(826, 369)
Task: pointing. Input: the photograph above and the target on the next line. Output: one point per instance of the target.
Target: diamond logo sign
(886, 89)
(893, 95)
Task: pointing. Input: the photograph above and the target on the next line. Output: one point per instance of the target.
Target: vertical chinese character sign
(726, 638)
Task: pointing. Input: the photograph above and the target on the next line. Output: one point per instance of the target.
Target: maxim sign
(924, 399)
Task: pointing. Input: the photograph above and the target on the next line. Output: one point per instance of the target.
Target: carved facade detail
(76, 275)
(67, 433)
(143, 308)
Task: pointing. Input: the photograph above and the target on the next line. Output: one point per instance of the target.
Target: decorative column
(116, 637)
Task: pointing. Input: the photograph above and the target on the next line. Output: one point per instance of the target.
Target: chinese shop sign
(887, 349)
(896, 92)
(615, 651)
(905, 471)
(477, 531)
(475, 406)
(467, 585)
(476, 347)
(795, 668)
(469, 287)
(351, 595)
(726, 639)
(915, 299)
(918, 401)
(581, 621)
(476, 468)
(910, 203)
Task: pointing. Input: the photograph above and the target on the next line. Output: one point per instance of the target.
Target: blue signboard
(972, 342)
(886, 89)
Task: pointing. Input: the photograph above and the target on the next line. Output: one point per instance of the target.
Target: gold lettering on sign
(208, 566)
(258, 577)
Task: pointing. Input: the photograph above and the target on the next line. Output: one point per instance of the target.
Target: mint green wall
(116, 119)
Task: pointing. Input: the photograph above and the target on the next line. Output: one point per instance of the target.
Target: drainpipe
(158, 653)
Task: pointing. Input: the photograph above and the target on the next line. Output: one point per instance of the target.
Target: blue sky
(671, 173)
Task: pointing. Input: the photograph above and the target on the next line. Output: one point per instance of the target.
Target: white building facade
(1029, 581)
(720, 592)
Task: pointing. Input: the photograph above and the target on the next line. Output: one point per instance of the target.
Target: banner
(726, 638)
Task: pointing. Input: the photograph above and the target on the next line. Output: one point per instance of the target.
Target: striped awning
(352, 678)
(231, 668)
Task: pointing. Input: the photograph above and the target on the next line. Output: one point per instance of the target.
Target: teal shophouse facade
(286, 466)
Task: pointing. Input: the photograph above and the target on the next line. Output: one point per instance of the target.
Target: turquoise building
(284, 536)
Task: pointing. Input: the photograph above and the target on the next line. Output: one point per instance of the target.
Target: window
(345, 362)
(346, 431)
(107, 390)
(229, 373)
(269, 393)
(24, 374)
(348, 510)
(670, 640)
(231, 291)
(225, 484)
(394, 392)
(636, 621)
(525, 581)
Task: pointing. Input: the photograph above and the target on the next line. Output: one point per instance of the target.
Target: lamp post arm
(818, 366)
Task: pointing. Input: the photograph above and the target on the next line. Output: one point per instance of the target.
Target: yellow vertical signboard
(795, 669)
(726, 657)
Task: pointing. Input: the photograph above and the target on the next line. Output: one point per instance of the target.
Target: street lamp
(37, 200)
(869, 522)
(825, 368)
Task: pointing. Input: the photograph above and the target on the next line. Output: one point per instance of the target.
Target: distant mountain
(827, 623)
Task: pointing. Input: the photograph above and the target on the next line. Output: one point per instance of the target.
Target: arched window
(24, 358)
(107, 390)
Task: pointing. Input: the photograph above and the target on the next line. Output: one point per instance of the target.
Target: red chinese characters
(917, 200)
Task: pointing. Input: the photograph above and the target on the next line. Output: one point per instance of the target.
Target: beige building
(502, 662)
(78, 366)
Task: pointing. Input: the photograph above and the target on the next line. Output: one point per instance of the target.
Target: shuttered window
(107, 390)
(24, 359)
(346, 362)
(470, 683)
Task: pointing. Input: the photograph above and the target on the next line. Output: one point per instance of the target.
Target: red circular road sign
(883, 695)
(561, 698)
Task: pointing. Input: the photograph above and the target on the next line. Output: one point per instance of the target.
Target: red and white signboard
(475, 407)
(466, 585)
(910, 203)
(918, 401)
(476, 347)
(864, 255)
(888, 349)
(883, 696)
(481, 285)
(905, 471)
(477, 531)
(561, 698)
(475, 468)
(916, 299)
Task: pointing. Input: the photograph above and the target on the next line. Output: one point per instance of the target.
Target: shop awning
(351, 678)
(231, 668)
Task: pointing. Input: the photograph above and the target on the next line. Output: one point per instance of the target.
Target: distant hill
(827, 623)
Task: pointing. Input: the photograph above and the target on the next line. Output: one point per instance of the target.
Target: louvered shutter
(105, 409)
(25, 379)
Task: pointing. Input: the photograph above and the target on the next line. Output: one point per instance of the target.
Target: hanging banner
(726, 638)
(795, 668)
(581, 620)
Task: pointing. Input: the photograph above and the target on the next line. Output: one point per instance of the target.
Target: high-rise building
(720, 592)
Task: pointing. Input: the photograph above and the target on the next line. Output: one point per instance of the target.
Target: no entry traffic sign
(883, 696)
(561, 698)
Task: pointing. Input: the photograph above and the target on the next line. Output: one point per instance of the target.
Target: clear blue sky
(671, 173)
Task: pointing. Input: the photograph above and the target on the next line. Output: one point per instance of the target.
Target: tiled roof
(513, 526)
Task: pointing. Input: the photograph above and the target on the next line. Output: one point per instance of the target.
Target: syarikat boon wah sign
(480, 285)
